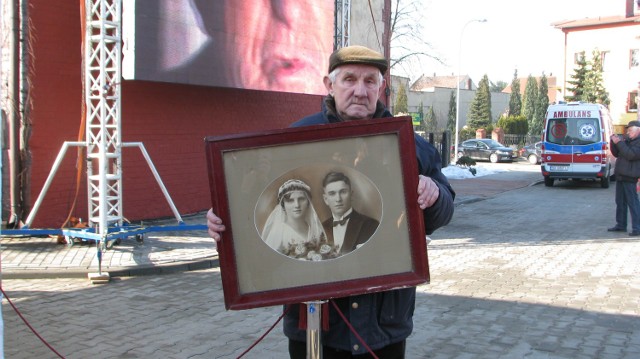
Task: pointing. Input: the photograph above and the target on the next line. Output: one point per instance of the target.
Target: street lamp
(455, 149)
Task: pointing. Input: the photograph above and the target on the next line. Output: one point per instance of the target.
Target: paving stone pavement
(529, 272)
(159, 252)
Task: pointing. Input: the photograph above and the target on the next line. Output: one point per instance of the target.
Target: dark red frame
(216, 146)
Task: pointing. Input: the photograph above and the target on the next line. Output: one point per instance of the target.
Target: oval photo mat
(366, 197)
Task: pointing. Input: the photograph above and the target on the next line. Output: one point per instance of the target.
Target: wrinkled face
(356, 90)
(280, 45)
(295, 204)
(337, 195)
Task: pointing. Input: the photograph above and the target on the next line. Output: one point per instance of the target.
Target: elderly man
(383, 320)
(627, 151)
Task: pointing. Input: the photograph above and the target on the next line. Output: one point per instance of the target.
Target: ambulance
(575, 143)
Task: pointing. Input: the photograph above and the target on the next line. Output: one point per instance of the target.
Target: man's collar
(332, 113)
(346, 214)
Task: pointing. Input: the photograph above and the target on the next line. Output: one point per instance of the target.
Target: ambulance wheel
(604, 182)
(493, 158)
(548, 182)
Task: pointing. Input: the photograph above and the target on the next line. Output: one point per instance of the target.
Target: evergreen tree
(497, 87)
(430, 121)
(587, 83)
(542, 103)
(529, 101)
(480, 109)
(451, 121)
(577, 81)
(515, 100)
(594, 91)
(401, 105)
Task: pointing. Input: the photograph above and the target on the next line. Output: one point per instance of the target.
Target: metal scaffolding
(102, 89)
(102, 71)
(342, 23)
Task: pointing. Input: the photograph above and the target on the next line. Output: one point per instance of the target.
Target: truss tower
(102, 74)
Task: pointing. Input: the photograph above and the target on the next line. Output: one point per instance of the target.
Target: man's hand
(615, 139)
(428, 192)
(214, 225)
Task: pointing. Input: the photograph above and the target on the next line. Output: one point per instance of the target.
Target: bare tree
(408, 41)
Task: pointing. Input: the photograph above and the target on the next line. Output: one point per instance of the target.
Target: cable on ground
(29, 325)
(284, 312)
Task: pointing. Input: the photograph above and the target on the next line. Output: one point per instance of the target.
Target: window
(603, 60)
(632, 101)
(634, 58)
(573, 131)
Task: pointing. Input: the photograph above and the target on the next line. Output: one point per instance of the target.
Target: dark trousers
(627, 198)
(298, 350)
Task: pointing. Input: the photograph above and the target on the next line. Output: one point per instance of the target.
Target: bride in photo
(293, 227)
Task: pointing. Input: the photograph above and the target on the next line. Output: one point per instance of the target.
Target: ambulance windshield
(573, 131)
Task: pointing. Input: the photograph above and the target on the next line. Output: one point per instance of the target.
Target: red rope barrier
(29, 325)
(284, 312)
(353, 330)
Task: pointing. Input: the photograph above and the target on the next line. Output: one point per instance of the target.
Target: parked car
(486, 149)
(532, 153)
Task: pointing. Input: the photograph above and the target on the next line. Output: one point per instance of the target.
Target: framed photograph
(317, 212)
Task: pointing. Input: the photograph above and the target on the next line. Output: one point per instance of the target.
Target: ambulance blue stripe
(573, 148)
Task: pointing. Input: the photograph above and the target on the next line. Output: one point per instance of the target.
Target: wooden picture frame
(247, 172)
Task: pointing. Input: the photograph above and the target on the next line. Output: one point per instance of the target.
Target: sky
(517, 35)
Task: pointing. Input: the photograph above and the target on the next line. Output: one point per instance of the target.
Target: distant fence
(442, 142)
(520, 140)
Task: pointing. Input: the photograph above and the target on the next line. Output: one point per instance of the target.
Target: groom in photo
(346, 228)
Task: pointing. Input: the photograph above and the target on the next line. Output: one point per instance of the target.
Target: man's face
(337, 195)
(279, 45)
(633, 132)
(356, 91)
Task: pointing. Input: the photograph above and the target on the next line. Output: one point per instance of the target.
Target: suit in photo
(359, 229)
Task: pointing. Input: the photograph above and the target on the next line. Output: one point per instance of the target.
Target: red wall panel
(170, 120)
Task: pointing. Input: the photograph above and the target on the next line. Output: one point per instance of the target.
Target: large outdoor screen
(271, 45)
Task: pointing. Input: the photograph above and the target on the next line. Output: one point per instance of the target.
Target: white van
(575, 143)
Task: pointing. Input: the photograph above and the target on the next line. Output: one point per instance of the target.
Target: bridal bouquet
(314, 250)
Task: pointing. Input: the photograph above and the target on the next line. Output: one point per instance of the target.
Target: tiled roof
(551, 85)
(426, 82)
(599, 21)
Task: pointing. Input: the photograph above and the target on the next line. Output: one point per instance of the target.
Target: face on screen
(281, 45)
(273, 45)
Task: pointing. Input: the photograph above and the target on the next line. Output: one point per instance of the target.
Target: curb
(143, 270)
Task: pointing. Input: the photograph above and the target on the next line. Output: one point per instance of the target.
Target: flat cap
(633, 124)
(357, 55)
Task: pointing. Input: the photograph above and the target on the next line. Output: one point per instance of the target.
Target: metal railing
(442, 142)
(520, 140)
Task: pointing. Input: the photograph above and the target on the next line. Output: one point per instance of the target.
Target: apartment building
(617, 38)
